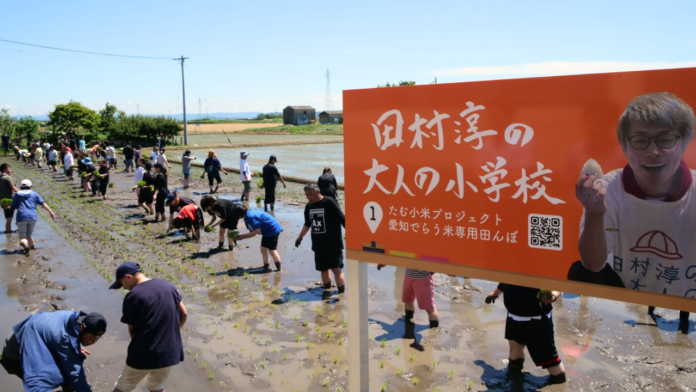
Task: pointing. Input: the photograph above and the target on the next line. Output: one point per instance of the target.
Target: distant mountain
(190, 117)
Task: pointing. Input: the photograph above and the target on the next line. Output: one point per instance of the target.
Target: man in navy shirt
(155, 315)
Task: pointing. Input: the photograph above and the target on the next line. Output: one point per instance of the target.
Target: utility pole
(183, 92)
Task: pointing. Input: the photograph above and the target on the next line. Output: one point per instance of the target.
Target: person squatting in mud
(529, 324)
(324, 217)
(190, 217)
(175, 202)
(47, 350)
(155, 314)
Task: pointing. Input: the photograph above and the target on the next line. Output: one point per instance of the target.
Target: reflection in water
(399, 273)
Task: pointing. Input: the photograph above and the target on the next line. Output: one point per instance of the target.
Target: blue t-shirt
(152, 308)
(25, 202)
(82, 144)
(260, 220)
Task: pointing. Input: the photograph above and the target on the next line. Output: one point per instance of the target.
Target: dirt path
(274, 331)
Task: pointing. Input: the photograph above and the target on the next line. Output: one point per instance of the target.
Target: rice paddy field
(305, 161)
(250, 138)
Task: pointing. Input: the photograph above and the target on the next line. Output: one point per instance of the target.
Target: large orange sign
(483, 175)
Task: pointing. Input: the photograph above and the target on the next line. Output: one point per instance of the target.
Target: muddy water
(247, 330)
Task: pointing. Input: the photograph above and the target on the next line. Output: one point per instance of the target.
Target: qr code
(546, 232)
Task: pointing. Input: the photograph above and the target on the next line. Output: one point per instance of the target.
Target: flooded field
(273, 331)
(305, 161)
(245, 138)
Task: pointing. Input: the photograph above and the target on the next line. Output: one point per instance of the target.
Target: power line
(85, 52)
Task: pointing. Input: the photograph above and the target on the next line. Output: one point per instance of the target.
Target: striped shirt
(417, 274)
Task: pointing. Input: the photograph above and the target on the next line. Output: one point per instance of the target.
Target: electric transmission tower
(328, 101)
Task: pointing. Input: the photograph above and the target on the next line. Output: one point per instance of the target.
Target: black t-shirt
(327, 185)
(5, 140)
(324, 220)
(104, 169)
(270, 175)
(522, 301)
(183, 202)
(161, 183)
(128, 152)
(223, 210)
(152, 308)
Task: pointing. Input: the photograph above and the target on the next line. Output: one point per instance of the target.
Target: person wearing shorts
(529, 324)
(418, 286)
(245, 174)
(271, 176)
(325, 218)
(186, 167)
(68, 161)
(259, 222)
(175, 204)
(25, 202)
(155, 315)
(145, 193)
(7, 191)
(190, 217)
(224, 211)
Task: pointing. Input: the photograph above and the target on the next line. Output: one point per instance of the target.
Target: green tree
(401, 83)
(73, 116)
(27, 128)
(109, 117)
(144, 128)
(6, 122)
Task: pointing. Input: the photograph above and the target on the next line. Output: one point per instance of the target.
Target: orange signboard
(484, 174)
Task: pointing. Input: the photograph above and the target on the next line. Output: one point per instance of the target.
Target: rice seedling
(211, 375)
(340, 341)
(326, 383)
(223, 384)
(415, 381)
(381, 364)
(285, 356)
(412, 358)
(328, 334)
(400, 372)
(450, 374)
(398, 351)
(384, 343)
(336, 361)
(384, 387)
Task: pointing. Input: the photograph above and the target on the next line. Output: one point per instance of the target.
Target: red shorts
(421, 289)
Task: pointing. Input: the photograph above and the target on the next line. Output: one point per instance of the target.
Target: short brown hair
(657, 109)
(211, 154)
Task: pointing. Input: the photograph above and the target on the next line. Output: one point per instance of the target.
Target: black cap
(127, 268)
(93, 323)
(272, 158)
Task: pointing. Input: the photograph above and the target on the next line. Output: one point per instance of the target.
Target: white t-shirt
(244, 171)
(53, 155)
(110, 152)
(651, 244)
(153, 156)
(68, 160)
(162, 160)
(139, 174)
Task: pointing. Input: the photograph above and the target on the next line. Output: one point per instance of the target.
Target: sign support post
(358, 371)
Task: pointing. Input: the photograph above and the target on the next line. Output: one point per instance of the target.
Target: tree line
(74, 118)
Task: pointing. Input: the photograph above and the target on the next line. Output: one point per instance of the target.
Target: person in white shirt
(639, 220)
(153, 156)
(245, 174)
(162, 159)
(67, 162)
(111, 156)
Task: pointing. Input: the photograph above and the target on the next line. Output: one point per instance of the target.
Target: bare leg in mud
(338, 276)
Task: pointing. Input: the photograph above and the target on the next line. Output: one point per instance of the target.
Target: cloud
(549, 68)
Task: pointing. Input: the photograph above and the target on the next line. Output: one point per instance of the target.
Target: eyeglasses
(664, 142)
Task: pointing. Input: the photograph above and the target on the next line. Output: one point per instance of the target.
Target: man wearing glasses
(641, 220)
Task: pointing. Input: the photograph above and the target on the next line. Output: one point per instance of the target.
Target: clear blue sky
(262, 56)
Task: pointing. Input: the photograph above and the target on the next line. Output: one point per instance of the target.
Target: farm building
(331, 117)
(298, 115)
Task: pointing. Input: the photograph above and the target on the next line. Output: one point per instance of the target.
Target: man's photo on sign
(638, 224)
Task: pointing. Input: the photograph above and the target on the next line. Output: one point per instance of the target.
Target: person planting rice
(7, 192)
(154, 154)
(186, 167)
(270, 180)
(245, 174)
(190, 217)
(25, 202)
(161, 191)
(175, 203)
(110, 151)
(258, 222)
(103, 178)
(325, 218)
(47, 350)
(212, 167)
(162, 160)
(145, 189)
(155, 314)
(87, 169)
(53, 159)
(38, 156)
(529, 324)
(68, 162)
(418, 285)
(223, 210)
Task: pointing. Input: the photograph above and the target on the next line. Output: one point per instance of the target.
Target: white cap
(243, 153)
(26, 184)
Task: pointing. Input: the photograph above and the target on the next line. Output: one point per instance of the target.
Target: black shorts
(324, 261)
(197, 223)
(9, 213)
(51, 163)
(146, 196)
(537, 335)
(270, 242)
(187, 175)
(270, 194)
(229, 224)
(214, 177)
(103, 185)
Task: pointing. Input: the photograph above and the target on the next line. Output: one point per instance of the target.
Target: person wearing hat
(270, 179)
(245, 173)
(25, 202)
(190, 217)
(7, 191)
(86, 167)
(186, 166)
(155, 315)
(47, 350)
(68, 162)
(175, 204)
(212, 166)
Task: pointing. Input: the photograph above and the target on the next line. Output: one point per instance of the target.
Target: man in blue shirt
(46, 350)
(259, 222)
